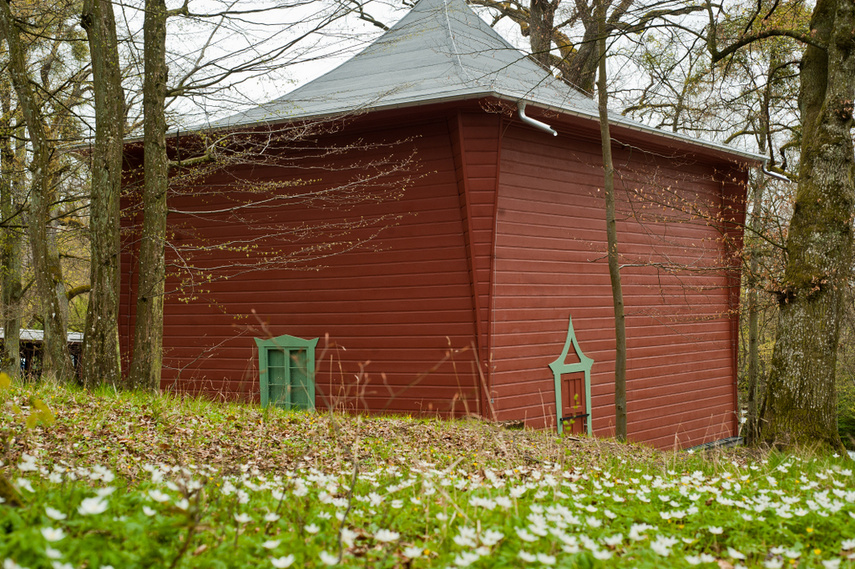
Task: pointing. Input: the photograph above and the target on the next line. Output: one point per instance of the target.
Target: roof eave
(746, 156)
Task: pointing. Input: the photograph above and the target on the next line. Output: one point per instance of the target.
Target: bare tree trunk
(56, 361)
(611, 232)
(101, 356)
(148, 331)
(801, 402)
(752, 301)
(752, 307)
(11, 243)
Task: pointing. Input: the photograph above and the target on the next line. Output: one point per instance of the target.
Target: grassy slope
(123, 431)
(587, 497)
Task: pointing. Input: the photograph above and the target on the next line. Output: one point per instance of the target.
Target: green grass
(131, 480)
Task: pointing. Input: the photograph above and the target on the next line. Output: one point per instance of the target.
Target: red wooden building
(423, 248)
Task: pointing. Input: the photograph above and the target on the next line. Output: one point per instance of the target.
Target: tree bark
(801, 402)
(11, 243)
(752, 302)
(101, 356)
(540, 31)
(148, 330)
(56, 360)
(611, 231)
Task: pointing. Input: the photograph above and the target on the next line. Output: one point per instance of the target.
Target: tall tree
(202, 74)
(563, 34)
(611, 230)
(148, 330)
(56, 360)
(11, 214)
(101, 359)
(800, 406)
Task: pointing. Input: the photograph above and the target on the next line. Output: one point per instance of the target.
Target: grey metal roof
(440, 51)
(28, 335)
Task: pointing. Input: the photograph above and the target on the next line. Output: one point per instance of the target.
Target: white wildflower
(28, 463)
(385, 535)
(52, 534)
(282, 562)
(491, 537)
(465, 559)
(735, 554)
(57, 515)
(328, 558)
(52, 553)
(348, 537)
(660, 547)
(158, 496)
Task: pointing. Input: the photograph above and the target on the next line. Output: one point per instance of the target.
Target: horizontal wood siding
(379, 274)
(550, 264)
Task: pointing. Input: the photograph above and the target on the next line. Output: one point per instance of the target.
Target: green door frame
(287, 344)
(560, 367)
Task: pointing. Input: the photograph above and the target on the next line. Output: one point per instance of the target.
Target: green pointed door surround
(286, 369)
(560, 367)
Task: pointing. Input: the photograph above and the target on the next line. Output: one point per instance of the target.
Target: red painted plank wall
(476, 138)
(394, 315)
(550, 264)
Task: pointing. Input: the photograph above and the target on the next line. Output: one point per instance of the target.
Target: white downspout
(534, 122)
(774, 174)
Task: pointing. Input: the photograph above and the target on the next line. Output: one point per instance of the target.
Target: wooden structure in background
(455, 296)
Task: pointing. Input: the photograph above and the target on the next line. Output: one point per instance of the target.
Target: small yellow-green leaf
(45, 414)
(5, 381)
(32, 420)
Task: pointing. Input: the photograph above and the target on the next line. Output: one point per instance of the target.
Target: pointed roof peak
(439, 51)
